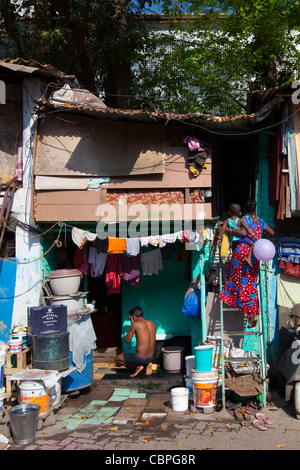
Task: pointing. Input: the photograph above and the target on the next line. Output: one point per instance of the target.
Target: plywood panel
(86, 206)
(176, 174)
(78, 146)
(43, 183)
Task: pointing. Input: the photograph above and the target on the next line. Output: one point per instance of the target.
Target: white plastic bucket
(205, 386)
(189, 386)
(2, 398)
(180, 399)
(35, 393)
(15, 345)
(55, 393)
(189, 365)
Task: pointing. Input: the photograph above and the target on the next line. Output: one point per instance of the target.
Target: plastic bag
(192, 301)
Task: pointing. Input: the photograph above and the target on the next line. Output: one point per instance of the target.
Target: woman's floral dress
(240, 289)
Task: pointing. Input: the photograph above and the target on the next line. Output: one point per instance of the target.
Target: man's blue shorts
(135, 360)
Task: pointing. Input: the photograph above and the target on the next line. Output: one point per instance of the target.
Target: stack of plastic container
(204, 379)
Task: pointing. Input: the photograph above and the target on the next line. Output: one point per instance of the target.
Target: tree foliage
(203, 62)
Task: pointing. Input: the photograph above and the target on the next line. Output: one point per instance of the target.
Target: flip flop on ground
(264, 418)
(259, 425)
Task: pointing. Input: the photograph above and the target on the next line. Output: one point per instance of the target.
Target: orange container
(205, 386)
(35, 393)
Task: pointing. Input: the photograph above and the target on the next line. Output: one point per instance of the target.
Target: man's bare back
(145, 333)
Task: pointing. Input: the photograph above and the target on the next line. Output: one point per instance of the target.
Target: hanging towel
(116, 245)
(97, 262)
(80, 237)
(151, 262)
(288, 290)
(144, 241)
(132, 246)
(289, 249)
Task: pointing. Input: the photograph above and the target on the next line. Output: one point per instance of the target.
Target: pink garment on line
(113, 271)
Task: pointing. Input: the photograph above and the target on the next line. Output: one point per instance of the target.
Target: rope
(56, 243)
(28, 236)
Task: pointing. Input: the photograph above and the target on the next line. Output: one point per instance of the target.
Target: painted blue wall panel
(7, 292)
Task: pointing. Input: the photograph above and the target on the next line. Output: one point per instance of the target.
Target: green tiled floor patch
(99, 411)
(136, 394)
(124, 392)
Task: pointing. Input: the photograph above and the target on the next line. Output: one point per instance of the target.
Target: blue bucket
(203, 358)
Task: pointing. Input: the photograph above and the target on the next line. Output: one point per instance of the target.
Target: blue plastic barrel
(76, 380)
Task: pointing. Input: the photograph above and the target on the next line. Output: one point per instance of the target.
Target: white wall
(28, 249)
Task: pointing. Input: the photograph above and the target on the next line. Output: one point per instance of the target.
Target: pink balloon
(264, 250)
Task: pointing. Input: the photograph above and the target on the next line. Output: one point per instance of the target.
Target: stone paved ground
(122, 414)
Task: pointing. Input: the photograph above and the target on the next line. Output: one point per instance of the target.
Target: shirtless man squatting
(145, 333)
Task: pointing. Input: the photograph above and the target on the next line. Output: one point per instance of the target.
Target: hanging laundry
(289, 249)
(193, 143)
(169, 238)
(290, 268)
(144, 241)
(80, 237)
(168, 251)
(81, 260)
(151, 262)
(131, 269)
(288, 290)
(132, 246)
(116, 245)
(101, 245)
(97, 262)
(197, 155)
(156, 240)
(113, 270)
(225, 248)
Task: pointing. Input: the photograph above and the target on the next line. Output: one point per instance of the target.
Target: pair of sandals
(261, 421)
(243, 414)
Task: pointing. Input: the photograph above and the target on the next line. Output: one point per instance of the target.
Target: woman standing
(240, 288)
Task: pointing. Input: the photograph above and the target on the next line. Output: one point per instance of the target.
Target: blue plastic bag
(192, 301)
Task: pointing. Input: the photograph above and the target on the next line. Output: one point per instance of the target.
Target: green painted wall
(160, 296)
(266, 212)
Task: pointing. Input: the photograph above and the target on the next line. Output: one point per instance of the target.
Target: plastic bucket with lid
(180, 398)
(189, 365)
(15, 345)
(35, 393)
(172, 358)
(203, 358)
(64, 281)
(205, 385)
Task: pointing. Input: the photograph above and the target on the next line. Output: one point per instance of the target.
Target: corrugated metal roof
(240, 122)
(23, 67)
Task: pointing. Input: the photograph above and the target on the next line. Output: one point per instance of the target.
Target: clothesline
(121, 258)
